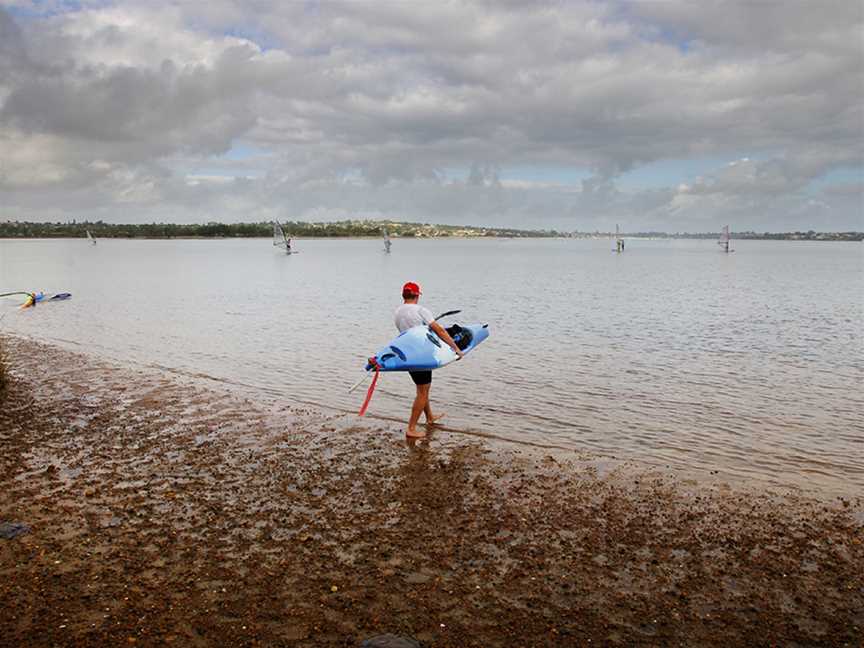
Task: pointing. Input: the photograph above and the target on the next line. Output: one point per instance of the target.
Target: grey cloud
(364, 106)
(158, 111)
(12, 48)
(854, 189)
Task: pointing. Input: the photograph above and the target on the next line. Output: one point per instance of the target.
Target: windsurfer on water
(408, 315)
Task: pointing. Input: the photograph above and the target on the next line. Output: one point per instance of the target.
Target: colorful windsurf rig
(33, 298)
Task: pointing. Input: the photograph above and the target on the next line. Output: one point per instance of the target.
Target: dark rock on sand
(390, 641)
(9, 530)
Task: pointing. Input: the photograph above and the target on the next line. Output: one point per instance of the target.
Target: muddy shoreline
(163, 513)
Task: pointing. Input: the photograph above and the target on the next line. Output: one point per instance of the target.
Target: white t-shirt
(410, 315)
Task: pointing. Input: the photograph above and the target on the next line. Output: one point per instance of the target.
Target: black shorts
(421, 377)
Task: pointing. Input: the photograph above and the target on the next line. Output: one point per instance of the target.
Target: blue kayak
(419, 349)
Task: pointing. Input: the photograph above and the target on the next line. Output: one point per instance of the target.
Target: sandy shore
(163, 512)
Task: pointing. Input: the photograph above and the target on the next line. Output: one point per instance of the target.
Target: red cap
(412, 288)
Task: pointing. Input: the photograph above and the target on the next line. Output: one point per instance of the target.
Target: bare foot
(414, 433)
(435, 418)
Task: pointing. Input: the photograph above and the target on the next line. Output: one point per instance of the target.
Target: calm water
(671, 353)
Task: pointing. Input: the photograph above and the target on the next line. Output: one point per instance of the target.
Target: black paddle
(448, 313)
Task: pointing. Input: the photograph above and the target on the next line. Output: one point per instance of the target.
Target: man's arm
(442, 333)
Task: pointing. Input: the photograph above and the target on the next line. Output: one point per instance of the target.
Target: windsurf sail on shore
(33, 298)
(386, 239)
(90, 237)
(725, 239)
(280, 239)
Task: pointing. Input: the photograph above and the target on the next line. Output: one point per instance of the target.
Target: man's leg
(421, 402)
(430, 418)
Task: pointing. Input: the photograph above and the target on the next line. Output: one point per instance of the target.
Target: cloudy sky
(672, 115)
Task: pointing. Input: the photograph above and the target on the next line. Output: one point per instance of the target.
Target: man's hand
(442, 333)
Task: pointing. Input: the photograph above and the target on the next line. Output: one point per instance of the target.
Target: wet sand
(165, 512)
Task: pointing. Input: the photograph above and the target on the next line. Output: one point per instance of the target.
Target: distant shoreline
(855, 237)
(364, 229)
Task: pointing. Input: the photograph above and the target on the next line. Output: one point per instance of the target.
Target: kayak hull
(420, 349)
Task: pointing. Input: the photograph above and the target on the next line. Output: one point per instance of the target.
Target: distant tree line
(810, 235)
(356, 228)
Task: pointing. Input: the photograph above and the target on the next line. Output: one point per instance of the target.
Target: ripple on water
(670, 353)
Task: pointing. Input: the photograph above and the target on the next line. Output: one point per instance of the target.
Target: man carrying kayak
(409, 315)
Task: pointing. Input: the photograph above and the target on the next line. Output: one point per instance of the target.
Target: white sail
(387, 243)
(280, 239)
(619, 242)
(278, 235)
(90, 237)
(725, 239)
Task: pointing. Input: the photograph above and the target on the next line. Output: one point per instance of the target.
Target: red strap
(376, 366)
